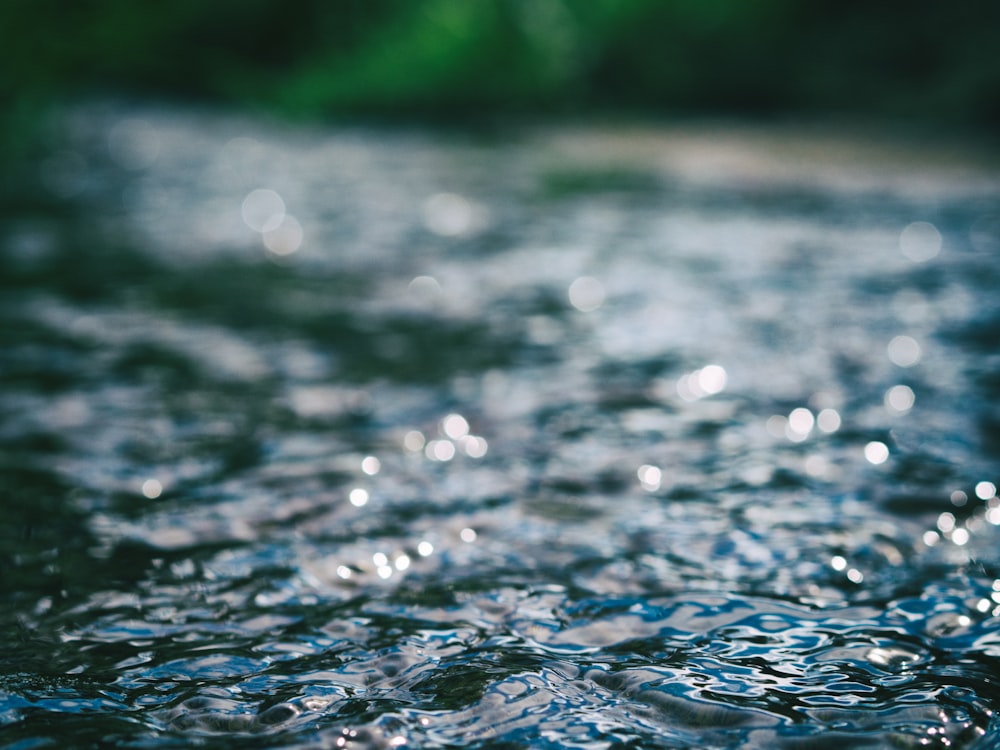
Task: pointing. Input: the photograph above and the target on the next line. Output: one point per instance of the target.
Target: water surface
(569, 437)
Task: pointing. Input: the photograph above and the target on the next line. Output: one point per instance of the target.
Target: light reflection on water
(492, 443)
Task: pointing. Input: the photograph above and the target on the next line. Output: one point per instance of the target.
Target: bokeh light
(899, 399)
(712, 379)
(800, 424)
(452, 215)
(828, 420)
(706, 381)
(285, 238)
(819, 466)
(985, 490)
(152, 488)
(946, 522)
(440, 450)
(650, 477)
(263, 210)
(424, 289)
(425, 548)
(586, 294)
(904, 351)
(414, 441)
(920, 241)
(473, 446)
(455, 426)
(876, 452)
(468, 535)
(776, 425)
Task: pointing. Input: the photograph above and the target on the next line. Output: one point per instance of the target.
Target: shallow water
(572, 437)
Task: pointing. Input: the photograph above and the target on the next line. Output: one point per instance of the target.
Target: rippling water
(592, 438)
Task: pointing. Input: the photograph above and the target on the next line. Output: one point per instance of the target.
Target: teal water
(567, 437)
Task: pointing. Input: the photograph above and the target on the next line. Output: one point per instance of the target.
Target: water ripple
(470, 459)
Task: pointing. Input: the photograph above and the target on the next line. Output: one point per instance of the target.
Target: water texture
(561, 438)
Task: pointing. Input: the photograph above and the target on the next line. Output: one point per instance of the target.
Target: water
(571, 437)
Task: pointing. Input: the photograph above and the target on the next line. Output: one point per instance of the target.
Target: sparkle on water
(920, 241)
(365, 440)
(152, 488)
(904, 351)
(877, 452)
(586, 294)
(899, 399)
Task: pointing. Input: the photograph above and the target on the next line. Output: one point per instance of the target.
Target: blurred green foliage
(924, 59)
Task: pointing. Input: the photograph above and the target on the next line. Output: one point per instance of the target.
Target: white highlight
(876, 452)
(707, 381)
(650, 477)
(452, 215)
(712, 379)
(414, 441)
(946, 523)
(828, 420)
(474, 446)
(899, 399)
(586, 294)
(263, 210)
(904, 351)
(801, 421)
(440, 450)
(920, 241)
(455, 426)
(285, 238)
(468, 535)
(152, 488)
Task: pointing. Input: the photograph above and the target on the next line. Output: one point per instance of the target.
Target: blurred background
(926, 63)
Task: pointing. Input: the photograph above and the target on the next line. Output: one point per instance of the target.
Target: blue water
(567, 437)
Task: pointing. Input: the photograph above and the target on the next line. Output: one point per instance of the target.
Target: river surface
(566, 437)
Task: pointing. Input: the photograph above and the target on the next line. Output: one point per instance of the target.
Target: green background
(933, 63)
